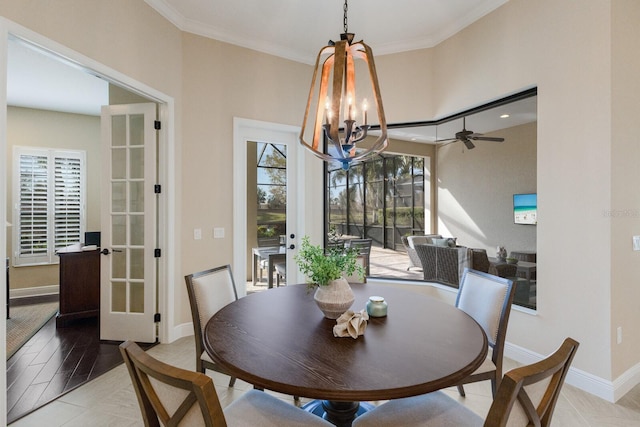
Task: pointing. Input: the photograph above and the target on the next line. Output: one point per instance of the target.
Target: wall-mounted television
(525, 208)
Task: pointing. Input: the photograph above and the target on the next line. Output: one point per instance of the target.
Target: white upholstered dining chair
(170, 396)
(209, 291)
(487, 298)
(526, 396)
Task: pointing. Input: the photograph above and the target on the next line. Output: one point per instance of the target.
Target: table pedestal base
(340, 414)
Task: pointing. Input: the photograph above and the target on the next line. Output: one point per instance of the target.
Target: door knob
(106, 251)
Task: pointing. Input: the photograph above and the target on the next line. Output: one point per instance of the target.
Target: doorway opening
(245, 194)
(119, 89)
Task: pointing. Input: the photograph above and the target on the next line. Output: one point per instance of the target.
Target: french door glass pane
(136, 129)
(137, 264)
(118, 163)
(118, 297)
(137, 163)
(137, 230)
(119, 265)
(118, 230)
(118, 131)
(136, 196)
(136, 295)
(118, 196)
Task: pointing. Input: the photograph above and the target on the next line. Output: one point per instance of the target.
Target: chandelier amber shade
(331, 111)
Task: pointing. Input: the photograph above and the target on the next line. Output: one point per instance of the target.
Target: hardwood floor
(55, 361)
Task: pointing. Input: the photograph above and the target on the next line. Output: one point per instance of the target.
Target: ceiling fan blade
(468, 143)
(487, 138)
(445, 140)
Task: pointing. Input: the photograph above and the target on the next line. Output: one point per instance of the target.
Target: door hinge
(157, 253)
(157, 188)
(157, 125)
(156, 318)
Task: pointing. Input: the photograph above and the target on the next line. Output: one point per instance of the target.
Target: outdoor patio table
(273, 255)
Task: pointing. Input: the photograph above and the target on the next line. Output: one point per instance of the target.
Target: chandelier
(334, 102)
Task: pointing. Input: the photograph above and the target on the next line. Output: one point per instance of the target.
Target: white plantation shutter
(49, 201)
(67, 201)
(33, 207)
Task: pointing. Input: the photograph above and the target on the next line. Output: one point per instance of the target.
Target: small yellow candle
(327, 113)
(364, 112)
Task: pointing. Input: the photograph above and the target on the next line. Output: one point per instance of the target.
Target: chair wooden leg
(461, 390)
(232, 381)
(258, 388)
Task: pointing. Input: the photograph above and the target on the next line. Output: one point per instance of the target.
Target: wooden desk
(274, 255)
(279, 340)
(79, 286)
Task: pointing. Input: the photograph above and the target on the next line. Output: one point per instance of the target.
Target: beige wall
(475, 196)
(624, 208)
(562, 47)
(48, 129)
(222, 81)
(118, 95)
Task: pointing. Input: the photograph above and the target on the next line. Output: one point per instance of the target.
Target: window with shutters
(49, 203)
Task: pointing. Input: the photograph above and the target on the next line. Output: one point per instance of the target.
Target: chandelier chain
(345, 8)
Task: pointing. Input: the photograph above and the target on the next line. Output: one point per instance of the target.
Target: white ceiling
(293, 29)
(37, 80)
(297, 29)
(484, 122)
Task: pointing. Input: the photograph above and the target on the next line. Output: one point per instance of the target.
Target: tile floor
(110, 400)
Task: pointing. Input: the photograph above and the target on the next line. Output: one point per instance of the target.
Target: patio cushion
(427, 239)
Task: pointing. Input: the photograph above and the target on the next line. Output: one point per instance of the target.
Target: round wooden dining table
(279, 340)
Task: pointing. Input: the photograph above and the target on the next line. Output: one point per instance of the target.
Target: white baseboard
(180, 331)
(625, 382)
(34, 292)
(608, 390)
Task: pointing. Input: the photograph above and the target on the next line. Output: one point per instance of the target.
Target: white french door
(247, 131)
(128, 288)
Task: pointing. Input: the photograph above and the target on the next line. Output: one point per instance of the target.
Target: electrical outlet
(218, 233)
(197, 233)
(636, 243)
(619, 333)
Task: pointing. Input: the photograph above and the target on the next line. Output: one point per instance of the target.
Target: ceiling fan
(466, 136)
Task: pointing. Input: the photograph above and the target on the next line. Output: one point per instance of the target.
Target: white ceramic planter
(335, 298)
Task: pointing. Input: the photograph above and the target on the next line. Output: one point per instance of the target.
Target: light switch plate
(636, 243)
(218, 233)
(197, 233)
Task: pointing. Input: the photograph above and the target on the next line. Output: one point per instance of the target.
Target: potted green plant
(326, 271)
